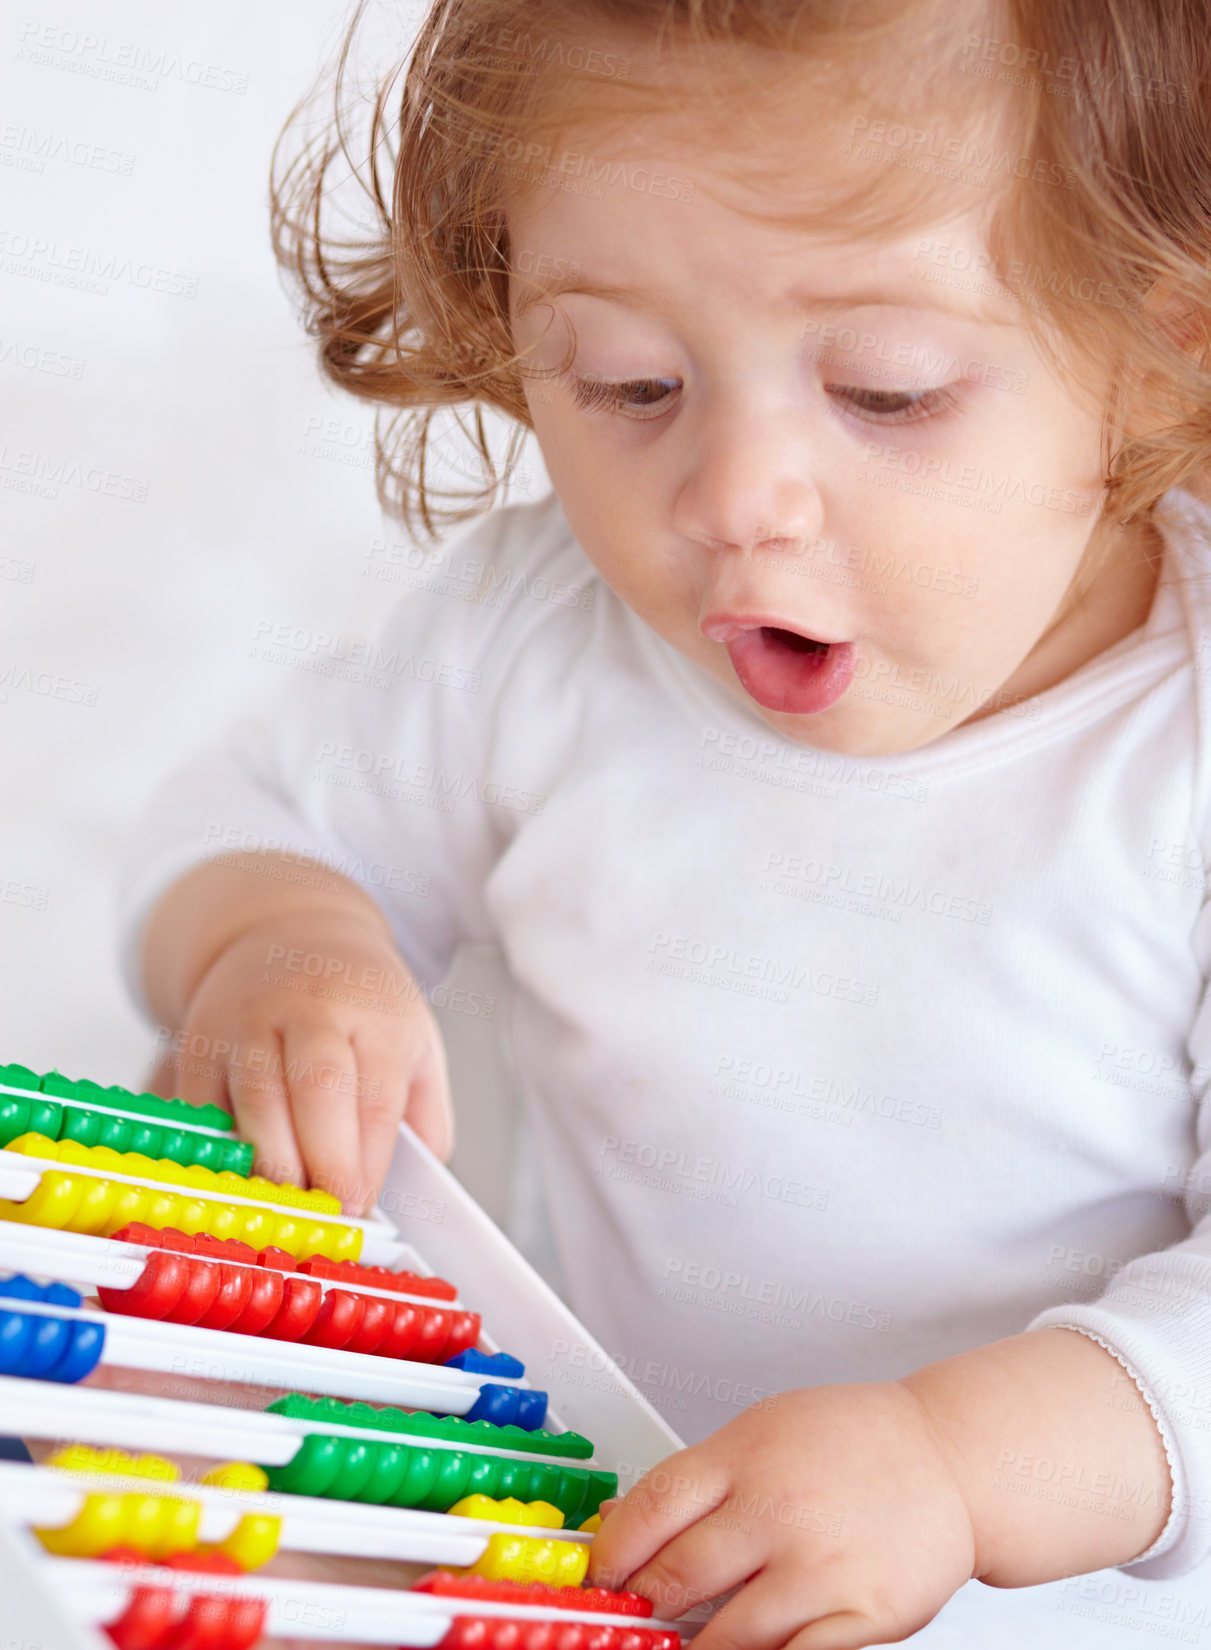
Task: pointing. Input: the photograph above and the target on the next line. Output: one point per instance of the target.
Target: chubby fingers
(672, 1497)
(322, 1076)
(711, 1557)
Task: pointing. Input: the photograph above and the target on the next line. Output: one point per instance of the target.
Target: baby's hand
(833, 1506)
(311, 1030)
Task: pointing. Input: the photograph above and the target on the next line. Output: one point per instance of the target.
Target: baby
(828, 755)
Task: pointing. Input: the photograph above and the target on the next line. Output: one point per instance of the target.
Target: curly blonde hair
(1113, 97)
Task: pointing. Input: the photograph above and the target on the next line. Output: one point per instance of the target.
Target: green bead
(237, 1156)
(20, 1077)
(145, 1138)
(357, 1469)
(79, 1125)
(177, 1144)
(315, 1466)
(207, 1151)
(390, 1469)
(46, 1117)
(55, 1083)
(14, 1118)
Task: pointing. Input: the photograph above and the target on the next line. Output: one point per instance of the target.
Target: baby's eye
(893, 406)
(637, 397)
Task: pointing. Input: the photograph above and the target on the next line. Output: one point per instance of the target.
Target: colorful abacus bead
(509, 1511)
(502, 1633)
(151, 1524)
(449, 1584)
(156, 1618)
(530, 1558)
(46, 1348)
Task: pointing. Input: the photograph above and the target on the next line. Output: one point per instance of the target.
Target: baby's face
(813, 442)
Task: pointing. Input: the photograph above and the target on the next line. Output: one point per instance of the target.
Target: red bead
(264, 1301)
(235, 1286)
(338, 1319)
(146, 1620)
(201, 1287)
(279, 1259)
(155, 1291)
(301, 1300)
(202, 1563)
(371, 1332)
(230, 1249)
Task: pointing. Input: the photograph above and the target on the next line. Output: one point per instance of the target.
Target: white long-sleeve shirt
(835, 1065)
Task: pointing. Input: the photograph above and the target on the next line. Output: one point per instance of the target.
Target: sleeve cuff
(1175, 1525)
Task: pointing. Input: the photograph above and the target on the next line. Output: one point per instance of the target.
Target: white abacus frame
(426, 1223)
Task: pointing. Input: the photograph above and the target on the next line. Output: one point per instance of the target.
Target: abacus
(313, 1359)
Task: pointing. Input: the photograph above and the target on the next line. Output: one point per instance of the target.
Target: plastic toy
(202, 1269)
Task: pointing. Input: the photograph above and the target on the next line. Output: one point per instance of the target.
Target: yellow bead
(592, 1524)
(34, 1145)
(127, 1204)
(194, 1214)
(139, 1165)
(528, 1558)
(100, 1523)
(161, 1524)
(72, 1151)
(52, 1202)
(199, 1176)
(256, 1227)
(345, 1242)
(254, 1540)
(105, 1157)
(237, 1475)
(509, 1511)
(96, 1205)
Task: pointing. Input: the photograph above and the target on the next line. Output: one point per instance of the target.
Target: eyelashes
(872, 406)
(599, 393)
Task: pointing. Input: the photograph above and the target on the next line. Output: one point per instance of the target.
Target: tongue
(791, 673)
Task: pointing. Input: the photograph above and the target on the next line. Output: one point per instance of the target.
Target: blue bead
(486, 1363)
(15, 1333)
(20, 1288)
(497, 1404)
(531, 1409)
(82, 1355)
(60, 1294)
(49, 1342)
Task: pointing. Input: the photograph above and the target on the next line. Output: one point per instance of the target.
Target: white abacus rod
(40, 1409)
(221, 1355)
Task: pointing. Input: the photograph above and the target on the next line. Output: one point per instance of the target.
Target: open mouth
(787, 671)
(792, 638)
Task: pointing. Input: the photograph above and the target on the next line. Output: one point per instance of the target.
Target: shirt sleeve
(1155, 1318)
(375, 759)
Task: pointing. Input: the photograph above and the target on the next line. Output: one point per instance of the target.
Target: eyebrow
(634, 297)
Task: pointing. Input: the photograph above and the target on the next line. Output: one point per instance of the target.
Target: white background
(259, 503)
